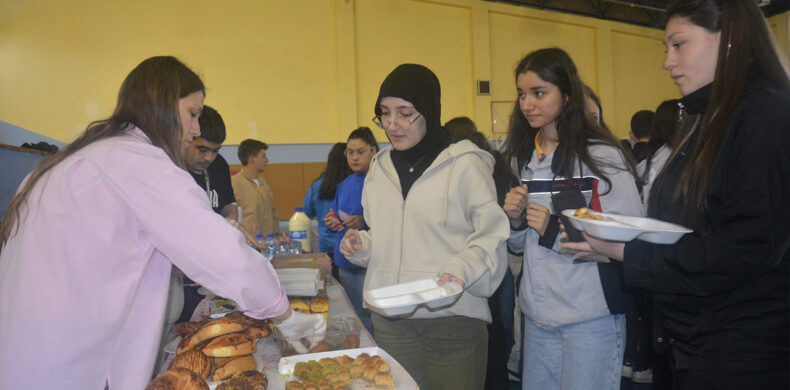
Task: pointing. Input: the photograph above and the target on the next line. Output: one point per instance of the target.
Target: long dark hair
(663, 131)
(336, 171)
(575, 129)
(148, 99)
(746, 48)
(504, 179)
(592, 95)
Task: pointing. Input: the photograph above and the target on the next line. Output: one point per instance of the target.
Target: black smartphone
(564, 200)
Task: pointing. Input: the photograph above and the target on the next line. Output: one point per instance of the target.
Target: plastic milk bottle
(299, 229)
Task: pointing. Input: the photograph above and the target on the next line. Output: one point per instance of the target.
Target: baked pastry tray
(402, 379)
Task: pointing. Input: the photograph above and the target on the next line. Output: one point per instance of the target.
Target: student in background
(574, 332)
(641, 124)
(722, 290)
(664, 136)
(592, 103)
(432, 209)
(88, 242)
(211, 172)
(348, 214)
(259, 216)
(502, 301)
(319, 197)
(461, 128)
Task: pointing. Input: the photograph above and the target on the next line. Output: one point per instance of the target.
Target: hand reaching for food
(298, 324)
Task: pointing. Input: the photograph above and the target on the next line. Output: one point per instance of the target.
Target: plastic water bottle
(258, 239)
(270, 247)
(299, 228)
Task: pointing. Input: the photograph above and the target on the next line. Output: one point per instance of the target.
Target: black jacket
(722, 291)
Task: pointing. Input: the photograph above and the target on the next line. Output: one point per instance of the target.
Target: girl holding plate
(722, 290)
(432, 210)
(574, 324)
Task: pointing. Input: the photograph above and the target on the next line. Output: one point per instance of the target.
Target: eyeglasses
(362, 152)
(400, 120)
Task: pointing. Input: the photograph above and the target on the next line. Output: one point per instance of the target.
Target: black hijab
(419, 86)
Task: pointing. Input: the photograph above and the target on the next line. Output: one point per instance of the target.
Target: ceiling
(649, 13)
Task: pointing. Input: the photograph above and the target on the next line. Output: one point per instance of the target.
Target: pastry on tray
(218, 327)
(300, 305)
(234, 344)
(178, 379)
(195, 361)
(229, 366)
(319, 305)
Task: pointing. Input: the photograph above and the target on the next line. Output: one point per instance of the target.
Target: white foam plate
(624, 228)
(401, 378)
(404, 298)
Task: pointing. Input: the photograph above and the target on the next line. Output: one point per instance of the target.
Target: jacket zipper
(403, 210)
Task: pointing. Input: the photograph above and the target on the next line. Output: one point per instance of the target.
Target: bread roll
(255, 332)
(227, 367)
(253, 376)
(187, 343)
(300, 306)
(239, 384)
(195, 361)
(219, 327)
(186, 328)
(321, 347)
(319, 305)
(178, 379)
(234, 344)
(237, 315)
(246, 320)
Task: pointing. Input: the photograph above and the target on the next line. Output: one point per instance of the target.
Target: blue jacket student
(317, 208)
(348, 199)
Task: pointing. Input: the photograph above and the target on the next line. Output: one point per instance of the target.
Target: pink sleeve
(178, 220)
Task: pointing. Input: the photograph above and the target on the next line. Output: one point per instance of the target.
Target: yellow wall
(308, 71)
(780, 27)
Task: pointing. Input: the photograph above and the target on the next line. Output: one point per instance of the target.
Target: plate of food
(360, 368)
(624, 228)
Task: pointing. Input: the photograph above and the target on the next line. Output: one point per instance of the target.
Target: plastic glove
(299, 326)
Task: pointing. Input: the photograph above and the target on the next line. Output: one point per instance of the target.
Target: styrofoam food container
(404, 298)
(625, 228)
(303, 282)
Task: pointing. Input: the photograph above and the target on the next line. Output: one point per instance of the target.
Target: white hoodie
(449, 222)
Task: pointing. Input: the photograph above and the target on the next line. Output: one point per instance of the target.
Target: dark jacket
(722, 291)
